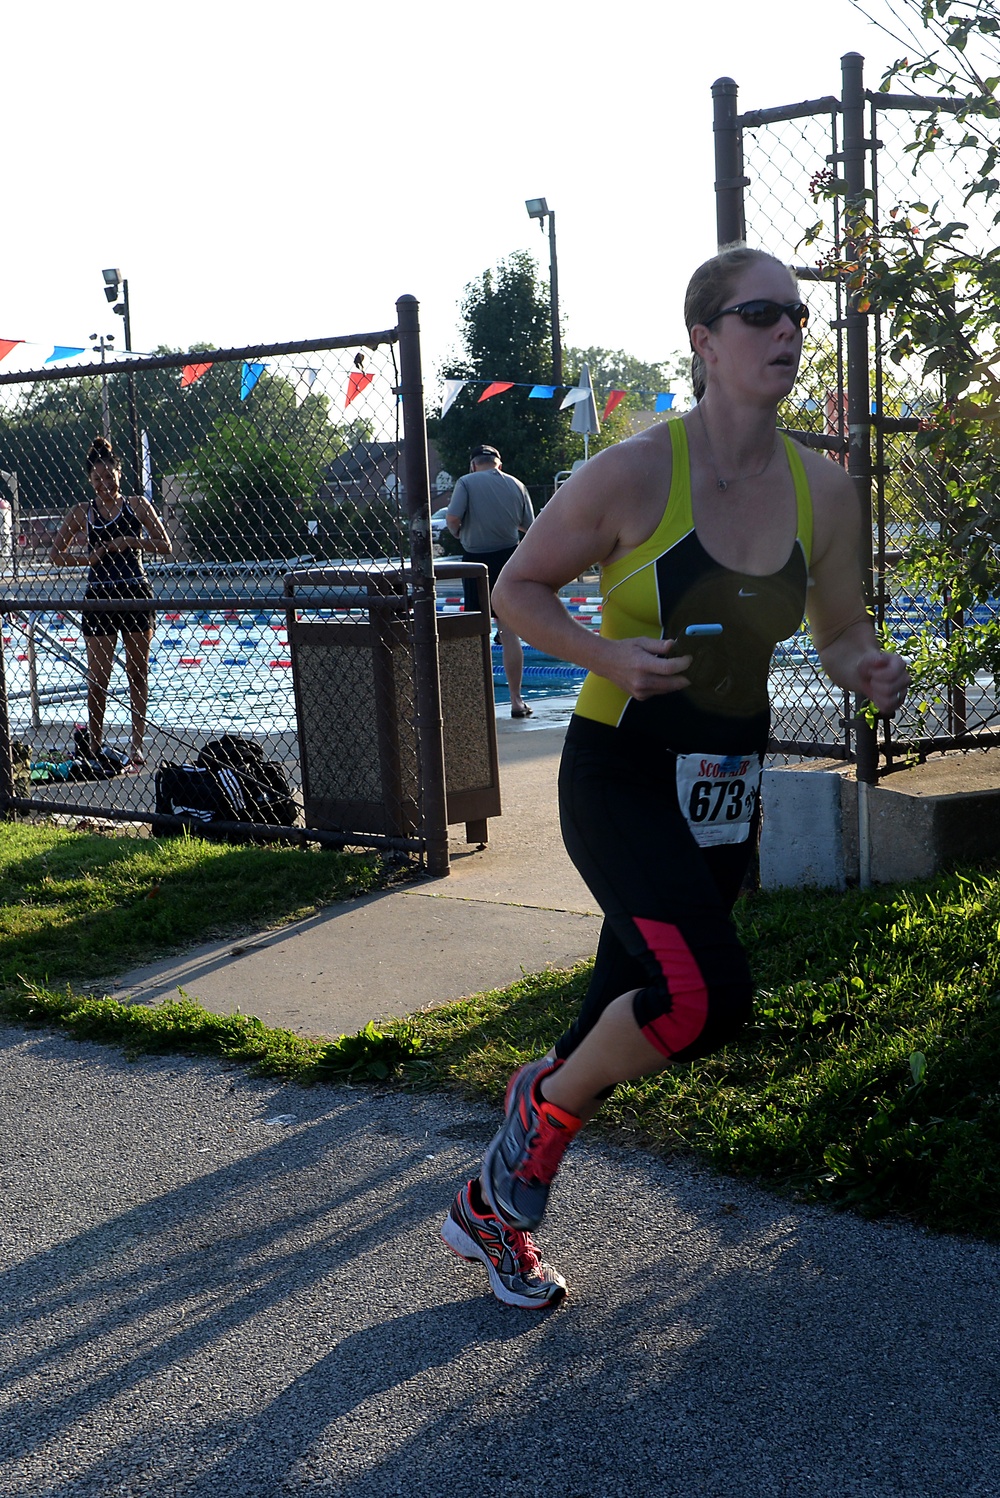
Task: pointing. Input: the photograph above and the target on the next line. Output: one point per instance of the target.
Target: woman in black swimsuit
(110, 530)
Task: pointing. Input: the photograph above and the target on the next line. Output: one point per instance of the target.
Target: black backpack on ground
(255, 784)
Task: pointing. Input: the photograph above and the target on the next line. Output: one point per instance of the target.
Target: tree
(44, 439)
(943, 298)
(505, 335)
(250, 489)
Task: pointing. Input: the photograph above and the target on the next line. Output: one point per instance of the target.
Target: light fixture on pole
(104, 343)
(538, 208)
(112, 280)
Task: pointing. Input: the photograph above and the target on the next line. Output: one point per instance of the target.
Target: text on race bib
(717, 793)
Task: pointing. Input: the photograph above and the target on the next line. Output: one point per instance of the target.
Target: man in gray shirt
(489, 512)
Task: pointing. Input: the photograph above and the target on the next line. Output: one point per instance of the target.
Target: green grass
(80, 907)
(869, 1078)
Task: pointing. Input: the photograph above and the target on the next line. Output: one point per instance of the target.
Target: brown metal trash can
(353, 680)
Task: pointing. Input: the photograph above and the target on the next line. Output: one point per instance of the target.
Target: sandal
(521, 712)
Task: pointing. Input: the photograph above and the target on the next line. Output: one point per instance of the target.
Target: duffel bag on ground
(194, 791)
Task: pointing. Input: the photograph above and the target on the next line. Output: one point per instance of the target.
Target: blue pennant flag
(542, 392)
(62, 352)
(665, 400)
(251, 374)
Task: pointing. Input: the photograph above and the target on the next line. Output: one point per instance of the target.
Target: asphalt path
(214, 1285)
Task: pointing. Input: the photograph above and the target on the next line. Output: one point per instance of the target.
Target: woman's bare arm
(842, 627)
(156, 536)
(73, 526)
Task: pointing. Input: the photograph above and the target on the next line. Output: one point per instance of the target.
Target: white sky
(287, 172)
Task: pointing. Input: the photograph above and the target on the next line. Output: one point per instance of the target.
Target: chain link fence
(292, 620)
(910, 497)
(782, 158)
(780, 179)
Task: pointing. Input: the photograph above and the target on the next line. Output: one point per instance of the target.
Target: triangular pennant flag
(572, 397)
(6, 344)
(62, 352)
(542, 392)
(496, 388)
(192, 372)
(615, 398)
(664, 400)
(356, 382)
(251, 374)
(452, 390)
(304, 383)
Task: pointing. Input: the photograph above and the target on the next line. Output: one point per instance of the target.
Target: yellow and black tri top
(670, 582)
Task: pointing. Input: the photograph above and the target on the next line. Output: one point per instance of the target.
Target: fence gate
(304, 461)
(788, 180)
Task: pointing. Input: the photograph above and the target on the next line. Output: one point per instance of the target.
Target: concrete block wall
(920, 821)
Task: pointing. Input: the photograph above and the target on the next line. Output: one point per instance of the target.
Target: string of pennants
(573, 394)
(250, 373)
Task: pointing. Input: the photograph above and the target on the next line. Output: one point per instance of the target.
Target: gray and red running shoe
(517, 1275)
(527, 1150)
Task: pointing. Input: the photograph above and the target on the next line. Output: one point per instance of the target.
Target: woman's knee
(702, 996)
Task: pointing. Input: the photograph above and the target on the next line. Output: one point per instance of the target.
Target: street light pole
(104, 343)
(539, 208)
(112, 278)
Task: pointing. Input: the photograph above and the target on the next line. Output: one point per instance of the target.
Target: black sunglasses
(764, 314)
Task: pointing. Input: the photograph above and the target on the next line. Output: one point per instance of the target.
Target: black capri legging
(667, 902)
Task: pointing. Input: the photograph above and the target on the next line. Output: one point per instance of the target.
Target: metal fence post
(859, 461)
(427, 678)
(729, 179)
(6, 746)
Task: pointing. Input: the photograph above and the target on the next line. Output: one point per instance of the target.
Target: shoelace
(543, 1155)
(523, 1248)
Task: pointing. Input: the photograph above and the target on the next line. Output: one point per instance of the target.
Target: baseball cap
(483, 451)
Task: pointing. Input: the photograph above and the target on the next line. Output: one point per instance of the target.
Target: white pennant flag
(452, 390)
(304, 383)
(579, 393)
(147, 468)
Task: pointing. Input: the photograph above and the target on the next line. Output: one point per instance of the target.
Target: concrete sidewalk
(517, 905)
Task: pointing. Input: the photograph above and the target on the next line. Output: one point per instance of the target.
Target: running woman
(714, 534)
(113, 532)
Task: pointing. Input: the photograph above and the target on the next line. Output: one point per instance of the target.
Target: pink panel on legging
(672, 1032)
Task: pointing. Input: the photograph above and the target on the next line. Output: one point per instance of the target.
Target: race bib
(718, 795)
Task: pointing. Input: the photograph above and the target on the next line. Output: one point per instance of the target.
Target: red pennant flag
(497, 388)
(614, 399)
(6, 344)
(192, 372)
(356, 382)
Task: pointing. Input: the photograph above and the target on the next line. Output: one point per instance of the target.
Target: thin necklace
(721, 483)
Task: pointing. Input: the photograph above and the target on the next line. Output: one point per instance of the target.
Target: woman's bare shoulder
(836, 511)
(829, 482)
